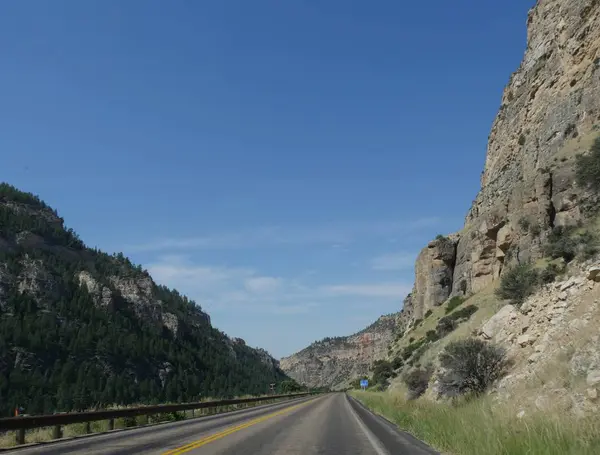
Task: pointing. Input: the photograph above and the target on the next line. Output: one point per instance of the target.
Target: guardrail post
(20, 436)
(111, 424)
(193, 413)
(56, 432)
(88, 427)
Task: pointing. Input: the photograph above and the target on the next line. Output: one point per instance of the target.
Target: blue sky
(280, 162)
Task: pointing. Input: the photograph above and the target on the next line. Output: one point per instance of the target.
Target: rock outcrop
(334, 362)
(433, 277)
(549, 113)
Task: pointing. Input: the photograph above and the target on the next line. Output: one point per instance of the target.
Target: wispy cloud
(263, 284)
(396, 261)
(224, 289)
(379, 290)
(269, 236)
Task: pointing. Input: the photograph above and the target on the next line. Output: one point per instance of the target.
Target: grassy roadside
(479, 427)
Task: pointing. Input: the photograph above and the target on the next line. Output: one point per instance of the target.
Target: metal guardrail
(20, 424)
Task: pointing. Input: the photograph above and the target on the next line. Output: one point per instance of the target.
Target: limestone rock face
(433, 275)
(433, 278)
(549, 113)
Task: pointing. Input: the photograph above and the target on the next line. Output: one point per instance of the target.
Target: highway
(331, 424)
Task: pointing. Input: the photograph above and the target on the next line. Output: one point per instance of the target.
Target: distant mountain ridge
(81, 328)
(335, 361)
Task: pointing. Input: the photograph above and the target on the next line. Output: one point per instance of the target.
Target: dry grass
(481, 426)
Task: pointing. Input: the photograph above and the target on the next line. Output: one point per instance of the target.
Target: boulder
(498, 322)
(533, 358)
(567, 284)
(593, 378)
(594, 273)
(525, 340)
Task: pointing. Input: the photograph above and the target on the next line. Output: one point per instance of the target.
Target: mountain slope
(334, 362)
(80, 328)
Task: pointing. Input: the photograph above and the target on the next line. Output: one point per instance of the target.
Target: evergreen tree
(60, 350)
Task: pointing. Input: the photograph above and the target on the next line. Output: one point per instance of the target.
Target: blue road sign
(364, 383)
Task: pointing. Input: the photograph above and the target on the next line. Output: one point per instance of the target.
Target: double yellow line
(222, 434)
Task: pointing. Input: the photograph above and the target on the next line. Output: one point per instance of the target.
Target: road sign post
(364, 383)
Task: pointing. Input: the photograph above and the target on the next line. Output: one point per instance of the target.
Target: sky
(280, 162)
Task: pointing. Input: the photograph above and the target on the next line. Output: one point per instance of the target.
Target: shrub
(445, 326)
(408, 350)
(524, 223)
(464, 313)
(382, 371)
(588, 245)
(432, 336)
(518, 283)
(587, 167)
(550, 273)
(522, 139)
(454, 303)
(417, 323)
(561, 244)
(535, 229)
(564, 242)
(397, 363)
(441, 237)
(427, 314)
(417, 382)
(411, 339)
(418, 354)
(470, 366)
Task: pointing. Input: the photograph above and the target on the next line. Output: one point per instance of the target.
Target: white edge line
(379, 449)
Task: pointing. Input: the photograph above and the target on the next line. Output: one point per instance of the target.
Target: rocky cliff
(81, 328)
(334, 362)
(549, 113)
(434, 269)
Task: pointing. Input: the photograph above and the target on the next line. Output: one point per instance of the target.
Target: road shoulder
(388, 435)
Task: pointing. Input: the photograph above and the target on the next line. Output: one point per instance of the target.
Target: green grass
(480, 427)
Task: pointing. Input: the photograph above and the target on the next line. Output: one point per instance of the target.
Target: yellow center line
(222, 434)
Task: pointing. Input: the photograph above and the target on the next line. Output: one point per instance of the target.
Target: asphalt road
(332, 424)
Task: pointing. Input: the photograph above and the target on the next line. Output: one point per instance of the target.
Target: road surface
(331, 424)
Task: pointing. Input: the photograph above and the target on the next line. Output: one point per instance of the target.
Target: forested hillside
(80, 328)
